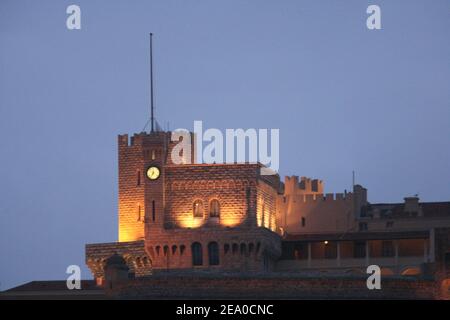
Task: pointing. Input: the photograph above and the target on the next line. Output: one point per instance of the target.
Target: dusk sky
(344, 98)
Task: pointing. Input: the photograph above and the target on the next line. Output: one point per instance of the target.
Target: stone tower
(142, 160)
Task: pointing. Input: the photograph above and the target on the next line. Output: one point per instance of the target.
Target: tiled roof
(57, 285)
(53, 290)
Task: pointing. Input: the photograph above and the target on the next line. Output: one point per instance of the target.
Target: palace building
(254, 235)
(229, 219)
(196, 216)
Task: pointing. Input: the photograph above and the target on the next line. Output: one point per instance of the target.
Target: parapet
(142, 138)
(305, 186)
(123, 140)
(328, 197)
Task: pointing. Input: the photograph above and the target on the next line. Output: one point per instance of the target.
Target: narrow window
(139, 215)
(213, 253)
(197, 256)
(153, 154)
(153, 211)
(263, 213)
(387, 249)
(303, 221)
(359, 249)
(214, 209)
(198, 209)
(138, 180)
(266, 262)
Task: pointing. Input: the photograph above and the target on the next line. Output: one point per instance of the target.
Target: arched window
(197, 256)
(198, 209)
(243, 248)
(214, 208)
(213, 253)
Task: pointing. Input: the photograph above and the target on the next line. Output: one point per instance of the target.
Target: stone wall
(133, 252)
(234, 186)
(273, 287)
(139, 197)
(311, 213)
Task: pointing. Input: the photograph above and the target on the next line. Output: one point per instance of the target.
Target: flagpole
(152, 119)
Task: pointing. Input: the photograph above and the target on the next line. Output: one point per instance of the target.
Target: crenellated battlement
(328, 197)
(139, 139)
(306, 211)
(123, 140)
(304, 186)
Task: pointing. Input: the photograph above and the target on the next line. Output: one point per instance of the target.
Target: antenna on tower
(152, 118)
(353, 179)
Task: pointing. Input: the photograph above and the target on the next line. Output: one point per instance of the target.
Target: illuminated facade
(196, 216)
(229, 218)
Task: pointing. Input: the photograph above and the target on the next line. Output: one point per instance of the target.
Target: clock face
(153, 173)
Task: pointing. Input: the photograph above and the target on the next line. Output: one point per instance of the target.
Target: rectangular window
(387, 249)
(363, 226)
(389, 224)
(303, 222)
(447, 261)
(330, 250)
(359, 249)
(301, 251)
